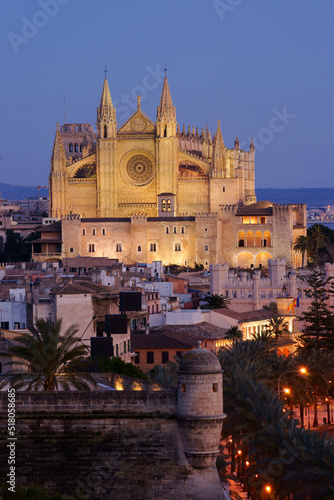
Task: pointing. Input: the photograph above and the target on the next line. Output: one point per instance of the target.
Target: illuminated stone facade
(147, 191)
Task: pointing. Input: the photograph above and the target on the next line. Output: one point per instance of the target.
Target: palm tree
(317, 240)
(233, 333)
(301, 245)
(47, 360)
(216, 301)
(277, 326)
(166, 375)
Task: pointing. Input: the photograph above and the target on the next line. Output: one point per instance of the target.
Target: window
(116, 349)
(174, 230)
(164, 356)
(103, 231)
(70, 148)
(93, 231)
(137, 358)
(80, 148)
(214, 387)
(262, 220)
(169, 206)
(182, 229)
(118, 247)
(91, 248)
(206, 248)
(153, 247)
(183, 388)
(124, 346)
(167, 230)
(177, 247)
(128, 345)
(163, 206)
(205, 229)
(0, 367)
(150, 357)
(83, 232)
(105, 133)
(223, 189)
(139, 248)
(241, 243)
(76, 149)
(71, 249)
(4, 325)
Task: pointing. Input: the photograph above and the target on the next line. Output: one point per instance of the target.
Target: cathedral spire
(218, 153)
(106, 114)
(166, 114)
(58, 151)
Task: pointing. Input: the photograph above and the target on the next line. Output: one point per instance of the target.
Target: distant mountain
(12, 192)
(317, 197)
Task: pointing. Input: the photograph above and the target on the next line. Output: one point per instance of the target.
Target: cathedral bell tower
(57, 178)
(167, 144)
(106, 155)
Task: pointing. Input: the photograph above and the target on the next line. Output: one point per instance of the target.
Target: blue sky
(264, 68)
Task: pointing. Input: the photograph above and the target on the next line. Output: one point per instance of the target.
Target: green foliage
(117, 365)
(277, 326)
(18, 249)
(295, 462)
(318, 319)
(53, 362)
(271, 307)
(30, 493)
(165, 374)
(198, 267)
(216, 301)
(233, 333)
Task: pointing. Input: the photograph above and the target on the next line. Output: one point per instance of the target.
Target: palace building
(147, 191)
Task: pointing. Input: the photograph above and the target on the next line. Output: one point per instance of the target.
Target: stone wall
(104, 445)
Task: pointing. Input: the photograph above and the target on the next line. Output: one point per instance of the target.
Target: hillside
(319, 197)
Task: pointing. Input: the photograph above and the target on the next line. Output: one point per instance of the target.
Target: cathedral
(147, 191)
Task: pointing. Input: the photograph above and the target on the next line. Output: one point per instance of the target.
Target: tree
(17, 248)
(277, 326)
(216, 301)
(233, 333)
(166, 375)
(117, 365)
(54, 361)
(318, 320)
(316, 241)
(301, 245)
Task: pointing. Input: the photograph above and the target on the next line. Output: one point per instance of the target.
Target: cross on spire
(165, 70)
(105, 72)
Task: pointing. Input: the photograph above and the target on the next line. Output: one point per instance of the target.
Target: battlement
(71, 217)
(213, 215)
(140, 217)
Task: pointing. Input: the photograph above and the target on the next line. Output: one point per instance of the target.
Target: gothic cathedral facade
(153, 192)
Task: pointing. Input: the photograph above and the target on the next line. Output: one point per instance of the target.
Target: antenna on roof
(64, 107)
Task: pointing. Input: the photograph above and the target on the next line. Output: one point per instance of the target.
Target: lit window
(169, 206)
(163, 206)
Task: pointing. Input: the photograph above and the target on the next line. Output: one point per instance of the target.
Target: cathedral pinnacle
(106, 114)
(58, 151)
(166, 103)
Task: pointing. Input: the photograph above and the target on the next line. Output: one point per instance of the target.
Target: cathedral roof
(259, 208)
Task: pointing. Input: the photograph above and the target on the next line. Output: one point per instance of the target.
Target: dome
(199, 361)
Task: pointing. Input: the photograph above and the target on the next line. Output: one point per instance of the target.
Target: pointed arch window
(163, 206)
(70, 148)
(76, 148)
(105, 133)
(169, 205)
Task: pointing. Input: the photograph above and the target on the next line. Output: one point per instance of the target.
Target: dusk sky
(264, 68)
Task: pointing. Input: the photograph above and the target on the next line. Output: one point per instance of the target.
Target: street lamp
(301, 371)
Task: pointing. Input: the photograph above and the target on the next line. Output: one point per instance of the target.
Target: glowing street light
(302, 371)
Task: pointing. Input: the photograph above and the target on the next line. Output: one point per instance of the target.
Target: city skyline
(261, 69)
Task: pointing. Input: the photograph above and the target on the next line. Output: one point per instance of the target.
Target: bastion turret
(200, 406)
